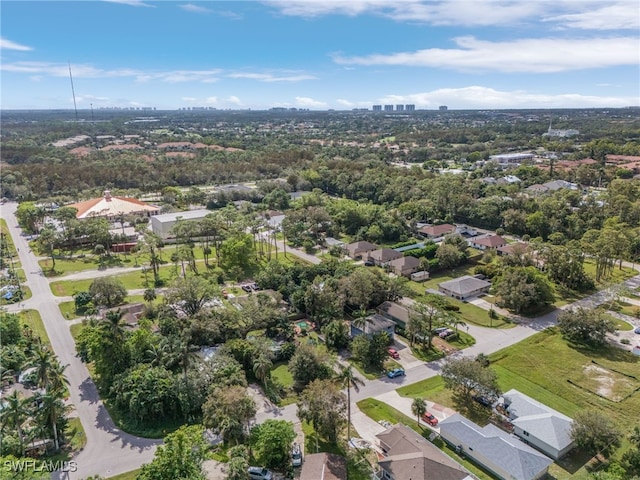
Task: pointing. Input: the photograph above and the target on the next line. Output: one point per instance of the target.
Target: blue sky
(340, 54)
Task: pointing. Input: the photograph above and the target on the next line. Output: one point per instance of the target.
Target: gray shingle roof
(518, 459)
(464, 285)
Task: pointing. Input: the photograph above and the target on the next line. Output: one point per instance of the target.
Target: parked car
(484, 401)
(393, 353)
(296, 455)
(430, 419)
(369, 263)
(439, 330)
(396, 372)
(637, 330)
(246, 288)
(260, 473)
(446, 333)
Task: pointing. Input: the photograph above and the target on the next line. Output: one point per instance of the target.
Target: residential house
(404, 266)
(396, 312)
(436, 231)
(408, 455)
(517, 248)
(464, 287)
(487, 242)
(383, 256)
(323, 466)
(495, 450)
(538, 425)
(536, 189)
(560, 184)
(374, 324)
(358, 250)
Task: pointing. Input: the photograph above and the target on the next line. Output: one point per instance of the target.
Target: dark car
(484, 401)
(369, 263)
(430, 419)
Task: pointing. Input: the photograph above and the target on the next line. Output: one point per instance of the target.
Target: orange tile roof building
(113, 207)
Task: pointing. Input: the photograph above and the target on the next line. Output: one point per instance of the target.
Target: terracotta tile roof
(108, 206)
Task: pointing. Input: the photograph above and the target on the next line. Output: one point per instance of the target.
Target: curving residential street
(109, 451)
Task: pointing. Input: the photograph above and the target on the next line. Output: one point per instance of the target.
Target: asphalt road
(109, 451)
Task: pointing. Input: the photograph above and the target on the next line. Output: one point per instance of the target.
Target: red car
(430, 419)
(393, 353)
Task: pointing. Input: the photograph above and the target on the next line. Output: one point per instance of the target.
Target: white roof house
(497, 451)
(540, 426)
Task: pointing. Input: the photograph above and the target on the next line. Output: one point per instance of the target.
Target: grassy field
(75, 434)
(377, 411)
(32, 319)
(542, 366)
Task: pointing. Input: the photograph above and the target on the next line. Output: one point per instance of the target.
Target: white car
(296, 455)
(260, 473)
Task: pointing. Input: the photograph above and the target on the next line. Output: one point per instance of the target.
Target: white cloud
(233, 100)
(211, 100)
(478, 97)
(188, 99)
(307, 102)
(267, 77)
(346, 103)
(583, 14)
(89, 71)
(443, 12)
(9, 45)
(82, 98)
(622, 15)
(190, 7)
(536, 55)
(131, 3)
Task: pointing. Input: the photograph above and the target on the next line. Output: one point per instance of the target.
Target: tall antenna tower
(73, 92)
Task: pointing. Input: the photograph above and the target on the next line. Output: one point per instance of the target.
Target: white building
(162, 224)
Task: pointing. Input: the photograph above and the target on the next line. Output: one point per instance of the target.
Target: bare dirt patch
(605, 383)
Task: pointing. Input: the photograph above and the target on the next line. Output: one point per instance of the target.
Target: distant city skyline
(320, 55)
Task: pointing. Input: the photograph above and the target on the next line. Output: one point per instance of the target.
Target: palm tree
(418, 408)
(50, 408)
(360, 319)
(262, 367)
(14, 414)
(44, 362)
(57, 379)
(347, 379)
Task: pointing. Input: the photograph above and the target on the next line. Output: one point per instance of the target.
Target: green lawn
(32, 319)
(80, 263)
(132, 281)
(75, 434)
(76, 329)
(282, 377)
(438, 277)
(132, 475)
(378, 410)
